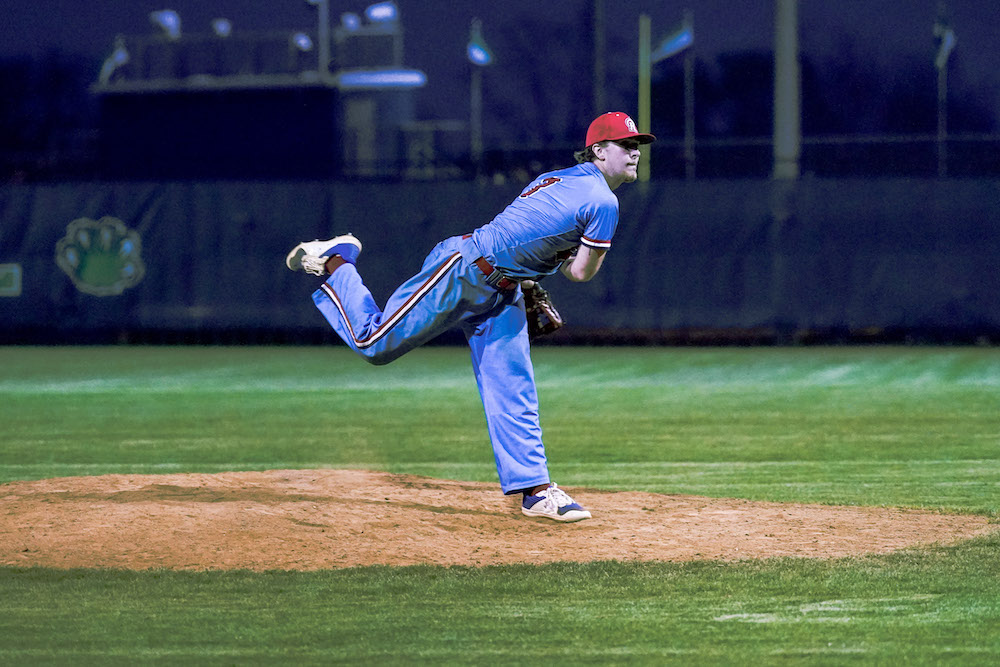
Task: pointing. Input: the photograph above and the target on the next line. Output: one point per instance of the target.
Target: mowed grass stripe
(255, 369)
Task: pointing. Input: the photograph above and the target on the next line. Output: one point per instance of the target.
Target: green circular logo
(101, 257)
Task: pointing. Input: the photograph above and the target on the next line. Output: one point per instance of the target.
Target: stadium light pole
(323, 37)
(600, 51)
(688, 29)
(480, 56)
(678, 42)
(787, 141)
(645, 72)
(787, 121)
(946, 43)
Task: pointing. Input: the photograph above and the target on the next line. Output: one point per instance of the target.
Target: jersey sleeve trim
(600, 244)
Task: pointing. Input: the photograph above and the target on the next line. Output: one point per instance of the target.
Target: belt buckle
(495, 278)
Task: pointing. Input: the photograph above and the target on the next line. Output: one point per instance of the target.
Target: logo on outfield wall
(101, 257)
(10, 280)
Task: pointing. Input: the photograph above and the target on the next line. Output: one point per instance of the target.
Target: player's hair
(587, 154)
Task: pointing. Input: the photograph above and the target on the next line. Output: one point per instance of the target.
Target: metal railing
(877, 155)
(438, 150)
(261, 60)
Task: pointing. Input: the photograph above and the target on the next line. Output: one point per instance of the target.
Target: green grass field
(914, 427)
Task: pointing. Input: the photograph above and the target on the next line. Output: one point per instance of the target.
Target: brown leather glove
(543, 318)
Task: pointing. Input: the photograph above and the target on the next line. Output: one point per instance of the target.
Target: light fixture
(946, 44)
(383, 78)
(382, 12)
(350, 21)
(673, 45)
(169, 21)
(117, 58)
(302, 42)
(477, 50)
(222, 27)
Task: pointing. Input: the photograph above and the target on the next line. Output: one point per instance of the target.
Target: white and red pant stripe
(451, 292)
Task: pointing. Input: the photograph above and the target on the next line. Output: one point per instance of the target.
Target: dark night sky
(886, 33)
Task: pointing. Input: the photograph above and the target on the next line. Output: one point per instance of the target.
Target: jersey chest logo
(551, 180)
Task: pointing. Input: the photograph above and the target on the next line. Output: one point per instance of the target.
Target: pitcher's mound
(316, 519)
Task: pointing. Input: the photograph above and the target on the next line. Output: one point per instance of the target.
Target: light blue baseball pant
(448, 292)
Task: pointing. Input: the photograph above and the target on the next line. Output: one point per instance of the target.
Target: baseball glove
(543, 318)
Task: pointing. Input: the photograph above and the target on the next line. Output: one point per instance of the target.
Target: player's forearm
(583, 266)
(577, 277)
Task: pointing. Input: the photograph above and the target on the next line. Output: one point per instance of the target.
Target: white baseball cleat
(310, 256)
(554, 503)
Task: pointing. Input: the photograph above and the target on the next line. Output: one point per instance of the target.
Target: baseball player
(562, 221)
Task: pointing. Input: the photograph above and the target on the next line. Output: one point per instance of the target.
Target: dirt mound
(317, 519)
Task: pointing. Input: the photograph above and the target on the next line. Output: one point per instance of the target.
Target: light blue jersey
(553, 215)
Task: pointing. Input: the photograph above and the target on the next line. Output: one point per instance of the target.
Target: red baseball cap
(613, 126)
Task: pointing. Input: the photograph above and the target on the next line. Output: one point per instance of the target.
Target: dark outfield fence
(693, 262)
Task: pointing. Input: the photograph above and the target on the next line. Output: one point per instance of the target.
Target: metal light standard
(688, 37)
(787, 114)
(323, 37)
(678, 42)
(480, 56)
(946, 44)
(600, 56)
